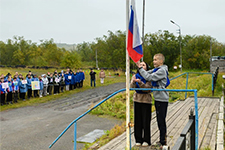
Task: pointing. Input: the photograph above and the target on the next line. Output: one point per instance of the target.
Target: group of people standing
(156, 78)
(18, 86)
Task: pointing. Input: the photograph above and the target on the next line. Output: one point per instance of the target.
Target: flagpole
(127, 83)
(143, 26)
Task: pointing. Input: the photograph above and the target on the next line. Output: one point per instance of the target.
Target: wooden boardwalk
(177, 118)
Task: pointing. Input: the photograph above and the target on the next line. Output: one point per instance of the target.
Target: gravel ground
(36, 127)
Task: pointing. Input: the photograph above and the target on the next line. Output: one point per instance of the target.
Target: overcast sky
(75, 21)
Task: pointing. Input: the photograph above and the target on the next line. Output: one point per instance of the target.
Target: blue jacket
(82, 76)
(11, 86)
(16, 85)
(67, 81)
(73, 81)
(28, 83)
(41, 85)
(78, 77)
(22, 87)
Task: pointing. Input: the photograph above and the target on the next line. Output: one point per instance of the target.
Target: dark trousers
(9, 97)
(29, 93)
(71, 86)
(56, 89)
(35, 93)
(62, 88)
(81, 83)
(15, 96)
(23, 95)
(142, 122)
(77, 84)
(74, 86)
(48, 89)
(93, 80)
(50, 86)
(161, 111)
(3, 99)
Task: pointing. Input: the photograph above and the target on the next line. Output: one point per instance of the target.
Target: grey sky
(75, 21)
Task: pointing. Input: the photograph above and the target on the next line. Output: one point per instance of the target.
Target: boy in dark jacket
(50, 83)
(92, 75)
(56, 83)
(62, 82)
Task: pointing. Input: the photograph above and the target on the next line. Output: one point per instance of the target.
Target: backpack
(154, 83)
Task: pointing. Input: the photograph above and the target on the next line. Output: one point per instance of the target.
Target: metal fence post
(75, 135)
(196, 120)
(192, 139)
(186, 85)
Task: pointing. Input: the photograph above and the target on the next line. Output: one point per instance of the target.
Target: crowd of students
(19, 86)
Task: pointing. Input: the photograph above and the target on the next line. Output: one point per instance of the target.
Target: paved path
(36, 127)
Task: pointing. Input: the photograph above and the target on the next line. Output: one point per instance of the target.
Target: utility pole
(210, 55)
(180, 38)
(96, 59)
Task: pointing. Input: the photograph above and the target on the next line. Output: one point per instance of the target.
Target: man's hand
(138, 64)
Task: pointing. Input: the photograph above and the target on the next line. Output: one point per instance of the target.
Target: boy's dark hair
(14, 77)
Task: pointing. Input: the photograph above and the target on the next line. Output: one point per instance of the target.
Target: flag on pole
(134, 42)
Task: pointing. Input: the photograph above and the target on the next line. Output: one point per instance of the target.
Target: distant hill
(68, 47)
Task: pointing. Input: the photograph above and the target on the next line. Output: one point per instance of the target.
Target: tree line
(111, 51)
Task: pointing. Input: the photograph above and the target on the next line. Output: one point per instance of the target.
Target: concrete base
(91, 137)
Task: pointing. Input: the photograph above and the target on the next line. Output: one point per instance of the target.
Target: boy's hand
(138, 64)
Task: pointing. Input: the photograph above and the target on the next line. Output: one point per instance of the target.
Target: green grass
(110, 79)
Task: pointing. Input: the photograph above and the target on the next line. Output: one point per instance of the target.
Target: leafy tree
(161, 42)
(71, 60)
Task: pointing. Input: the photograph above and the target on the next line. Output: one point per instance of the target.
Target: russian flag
(134, 42)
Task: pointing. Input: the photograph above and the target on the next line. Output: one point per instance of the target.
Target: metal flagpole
(143, 26)
(127, 83)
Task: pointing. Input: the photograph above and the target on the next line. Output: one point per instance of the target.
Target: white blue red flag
(134, 42)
